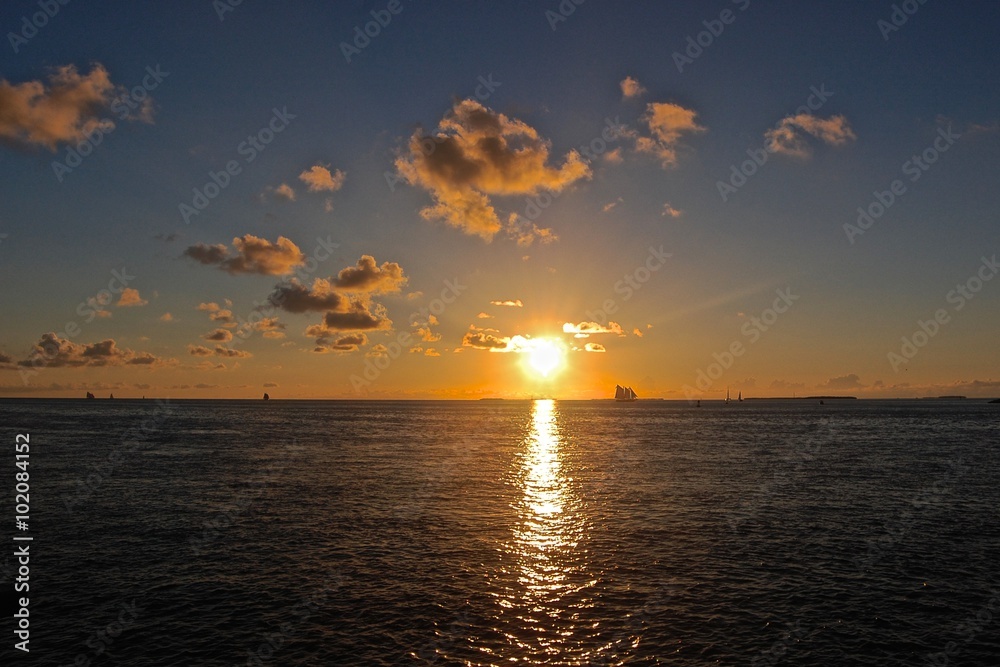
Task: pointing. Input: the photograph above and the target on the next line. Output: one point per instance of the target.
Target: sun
(545, 356)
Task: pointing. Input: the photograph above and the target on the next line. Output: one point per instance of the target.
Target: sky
(467, 200)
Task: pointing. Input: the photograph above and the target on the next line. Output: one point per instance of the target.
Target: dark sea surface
(510, 532)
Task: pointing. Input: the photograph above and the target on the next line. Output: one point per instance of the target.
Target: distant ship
(266, 397)
(623, 394)
(89, 395)
(727, 395)
(740, 397)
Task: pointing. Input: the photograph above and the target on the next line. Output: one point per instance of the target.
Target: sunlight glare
(545, 356)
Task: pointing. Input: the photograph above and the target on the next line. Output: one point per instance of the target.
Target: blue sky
(783, 228)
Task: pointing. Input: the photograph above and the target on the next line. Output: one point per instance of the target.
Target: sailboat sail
(624, 393)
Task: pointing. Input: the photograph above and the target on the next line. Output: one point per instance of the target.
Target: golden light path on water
(544, 591)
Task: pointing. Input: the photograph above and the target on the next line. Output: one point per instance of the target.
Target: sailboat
(266, 397)
(740, 397)
(623, 394)
(727, 395)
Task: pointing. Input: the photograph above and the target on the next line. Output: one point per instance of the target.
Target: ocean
(509, 532)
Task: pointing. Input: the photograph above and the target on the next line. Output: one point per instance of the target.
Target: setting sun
(545, 356)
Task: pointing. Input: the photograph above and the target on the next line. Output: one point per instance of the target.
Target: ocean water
(511, 532)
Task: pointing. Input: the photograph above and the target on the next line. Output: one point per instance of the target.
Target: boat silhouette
(624, 394)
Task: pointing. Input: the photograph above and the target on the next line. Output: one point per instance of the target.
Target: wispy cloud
(788, 137)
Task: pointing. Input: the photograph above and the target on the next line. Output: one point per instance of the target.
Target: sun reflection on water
(546, 586)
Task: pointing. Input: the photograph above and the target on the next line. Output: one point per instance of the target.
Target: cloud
(218, 351)
(270, 385)
(787, 136)
(425, 334)
(55, 352)
(614, 156)
(230, 352)
(594, 347)
(349, 343)
(295, 297)
(166, 317)
(611, 205)
(219, 335)
(218, 313)
(319, 179)
(130, 298)
(484, 316)
(516, 303)
(667, 123)
(353, 315)
(367, 276)
(631, 88)
(476, 153)
(637, 332)
(166, 238)
(378, 350)
(525, 232)
(283, 192)
(670, 211)
(584, 329)
(785, 385)
(65, 110)
(431, 352)
(251, 254)
(485, 341)
(223, 315)
(271, 327)
(851, 381)
(268, 324)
